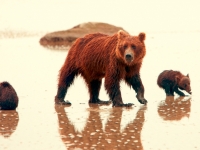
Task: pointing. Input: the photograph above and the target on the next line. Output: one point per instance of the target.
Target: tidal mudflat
(164, 123)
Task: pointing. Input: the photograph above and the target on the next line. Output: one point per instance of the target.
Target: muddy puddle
(164, 123)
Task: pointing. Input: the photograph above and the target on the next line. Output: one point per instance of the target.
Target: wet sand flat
(164, 123)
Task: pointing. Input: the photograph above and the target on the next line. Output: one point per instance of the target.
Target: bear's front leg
(113, 89)
(179, 92)
(94, 88)
(137, 85)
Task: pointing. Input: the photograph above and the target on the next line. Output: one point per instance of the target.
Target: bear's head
(184, 83)
(130, 49)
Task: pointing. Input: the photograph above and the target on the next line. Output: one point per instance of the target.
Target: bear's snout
(189, 91)
(129, 56)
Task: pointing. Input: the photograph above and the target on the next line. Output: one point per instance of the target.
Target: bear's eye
(125, 46)
(133, 46)
(185, 85)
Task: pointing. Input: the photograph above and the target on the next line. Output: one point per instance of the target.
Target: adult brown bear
(95, 56)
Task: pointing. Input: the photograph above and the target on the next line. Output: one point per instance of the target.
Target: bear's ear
(142, 36)
(121, 34)
(187, 75)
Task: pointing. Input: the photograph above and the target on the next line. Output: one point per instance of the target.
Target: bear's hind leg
(94, 88)
(168, 90)
(64, 83)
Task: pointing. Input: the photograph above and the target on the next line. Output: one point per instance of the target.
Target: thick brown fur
(171, 81)
(8, 97)
(95, 56)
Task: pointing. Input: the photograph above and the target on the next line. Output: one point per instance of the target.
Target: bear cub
(8, 97)
(171, 81)
(95, 56)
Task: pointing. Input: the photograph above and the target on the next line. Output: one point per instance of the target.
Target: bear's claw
(104, 102)
(143, 101)
(101, 102)
(123, 105)
(61, 102)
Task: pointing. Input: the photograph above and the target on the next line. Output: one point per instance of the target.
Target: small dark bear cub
(171, 81)
(8, 97)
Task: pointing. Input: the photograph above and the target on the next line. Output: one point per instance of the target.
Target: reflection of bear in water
(8, 97)
(174, 109)
(171, 80)
(95, 137)
(8, 122)
(95, 56)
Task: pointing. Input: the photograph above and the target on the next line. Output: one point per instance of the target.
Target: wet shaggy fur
(95, 56)
(171, 81)
(8, 97)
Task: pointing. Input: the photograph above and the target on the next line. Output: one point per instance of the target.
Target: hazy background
(132, 15)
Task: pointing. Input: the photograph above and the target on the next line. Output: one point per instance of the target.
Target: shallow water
(164, 123)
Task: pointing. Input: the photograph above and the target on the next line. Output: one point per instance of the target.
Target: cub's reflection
(8, 122)
(95, 136)
(174, 109)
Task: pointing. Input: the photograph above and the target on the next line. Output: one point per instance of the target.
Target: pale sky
(132, 15)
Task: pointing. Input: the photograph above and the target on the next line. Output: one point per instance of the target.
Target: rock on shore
(67, 37)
